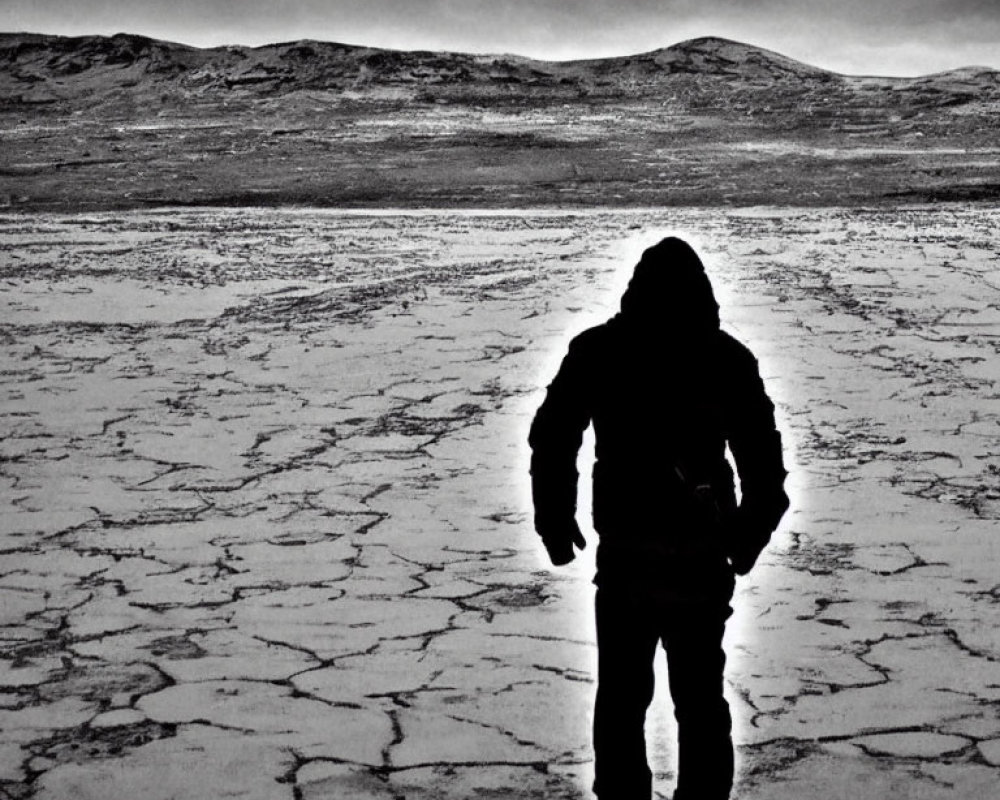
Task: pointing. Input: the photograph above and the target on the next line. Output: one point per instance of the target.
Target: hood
(670, 292)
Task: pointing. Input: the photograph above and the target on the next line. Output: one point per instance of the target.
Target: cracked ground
(266, 531)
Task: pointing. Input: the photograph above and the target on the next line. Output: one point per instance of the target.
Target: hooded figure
(666, 391)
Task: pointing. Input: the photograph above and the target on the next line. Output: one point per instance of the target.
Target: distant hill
(40, 70)
(109, 121)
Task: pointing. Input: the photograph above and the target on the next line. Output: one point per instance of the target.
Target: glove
(559, 542)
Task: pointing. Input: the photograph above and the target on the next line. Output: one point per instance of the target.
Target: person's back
(666, 391)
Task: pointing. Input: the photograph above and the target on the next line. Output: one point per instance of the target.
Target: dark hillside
(123, 121)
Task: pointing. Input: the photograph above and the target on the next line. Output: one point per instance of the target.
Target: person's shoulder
(593, 338)
(734, 351)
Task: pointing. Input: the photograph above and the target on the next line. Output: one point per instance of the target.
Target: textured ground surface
(265, 528)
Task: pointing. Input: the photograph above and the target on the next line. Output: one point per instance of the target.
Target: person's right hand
(559, 544)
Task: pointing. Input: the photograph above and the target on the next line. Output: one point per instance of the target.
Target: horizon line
(487, 54)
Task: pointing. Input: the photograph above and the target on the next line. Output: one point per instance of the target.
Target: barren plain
(266, 531)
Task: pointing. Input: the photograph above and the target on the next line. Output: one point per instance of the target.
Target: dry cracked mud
(266, 531)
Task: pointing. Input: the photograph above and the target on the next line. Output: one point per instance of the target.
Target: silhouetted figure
(666, 391)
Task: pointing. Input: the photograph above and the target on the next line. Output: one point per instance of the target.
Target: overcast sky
(885, 37)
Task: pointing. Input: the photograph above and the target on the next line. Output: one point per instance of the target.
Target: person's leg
(695, 664)
(627, 636)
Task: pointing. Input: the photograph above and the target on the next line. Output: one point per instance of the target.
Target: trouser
(629, 626)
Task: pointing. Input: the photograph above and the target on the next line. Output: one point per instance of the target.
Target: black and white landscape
(274, 324)
(128, 122)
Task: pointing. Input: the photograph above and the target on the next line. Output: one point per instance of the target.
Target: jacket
(667, 392)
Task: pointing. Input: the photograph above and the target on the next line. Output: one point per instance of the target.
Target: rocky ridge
(126, 121)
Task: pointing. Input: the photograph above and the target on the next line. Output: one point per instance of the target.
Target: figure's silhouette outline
(666, 391)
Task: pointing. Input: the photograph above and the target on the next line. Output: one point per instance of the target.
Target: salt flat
(266, 530)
